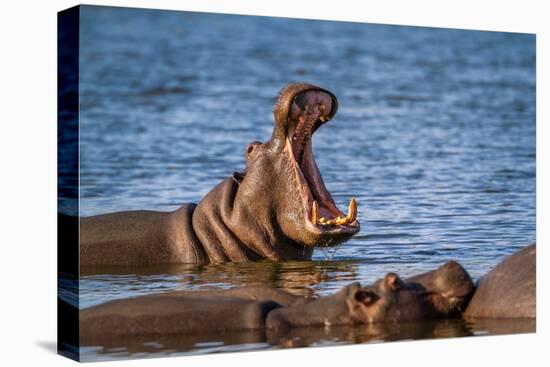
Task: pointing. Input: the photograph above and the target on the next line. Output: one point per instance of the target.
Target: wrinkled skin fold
(436, 294)
(278, 208)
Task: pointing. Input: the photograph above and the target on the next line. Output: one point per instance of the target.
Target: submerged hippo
(439, 293)
(509, 290)
(389, 300)
(277, 209)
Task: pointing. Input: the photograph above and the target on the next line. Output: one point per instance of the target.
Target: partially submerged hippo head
(448, 288)
(436, 294)
(442, 292)
(279, 207)
(388, 300)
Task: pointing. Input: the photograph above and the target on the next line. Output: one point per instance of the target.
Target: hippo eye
(366, 297)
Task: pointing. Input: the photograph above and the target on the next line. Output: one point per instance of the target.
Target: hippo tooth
(322, 107)
(352, 210)
(314, 212)
(322, 220)
(342, 220)
(322, 118)
(331, 222)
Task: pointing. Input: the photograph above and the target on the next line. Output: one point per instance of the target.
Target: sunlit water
(435, 137)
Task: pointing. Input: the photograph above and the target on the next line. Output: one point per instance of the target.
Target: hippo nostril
(367, 297)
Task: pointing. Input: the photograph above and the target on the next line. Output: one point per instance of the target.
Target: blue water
(435, 137)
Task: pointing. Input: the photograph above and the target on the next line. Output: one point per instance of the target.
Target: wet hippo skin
(449, 288)
(278, 208)
(168, 314)
(196, 312)
(439, 293)
(251, 293)
(389, 300)
(509, 290)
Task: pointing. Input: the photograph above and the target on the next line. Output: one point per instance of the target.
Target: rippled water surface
(435, 137)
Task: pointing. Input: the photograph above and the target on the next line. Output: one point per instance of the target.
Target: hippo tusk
(314, 212)
(352, 210)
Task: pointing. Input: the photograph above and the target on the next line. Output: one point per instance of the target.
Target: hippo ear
(392, 281)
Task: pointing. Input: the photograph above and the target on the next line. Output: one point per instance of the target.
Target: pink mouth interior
(308, 111)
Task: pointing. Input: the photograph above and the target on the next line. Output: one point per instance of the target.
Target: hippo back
(509, 290)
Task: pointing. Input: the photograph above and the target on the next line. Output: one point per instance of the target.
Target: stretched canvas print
(233, 183)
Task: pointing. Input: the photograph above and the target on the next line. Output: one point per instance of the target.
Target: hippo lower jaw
(324, 220)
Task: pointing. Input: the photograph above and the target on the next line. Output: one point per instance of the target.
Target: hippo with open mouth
(277, 209)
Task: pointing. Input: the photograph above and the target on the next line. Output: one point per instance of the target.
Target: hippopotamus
(508, 290)
(278, 208)
(442, 292)
(436, 294)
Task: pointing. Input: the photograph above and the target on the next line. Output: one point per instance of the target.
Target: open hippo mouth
(309, 110)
